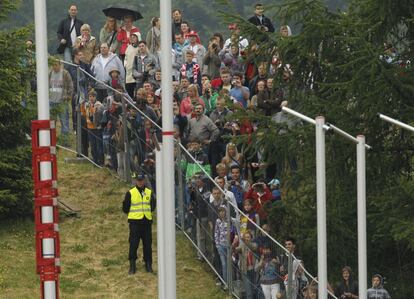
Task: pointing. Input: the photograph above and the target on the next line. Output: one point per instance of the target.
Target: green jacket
(210, 103)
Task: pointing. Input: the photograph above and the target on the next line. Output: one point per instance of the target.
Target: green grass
(94, 247)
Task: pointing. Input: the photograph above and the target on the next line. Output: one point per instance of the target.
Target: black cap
(138, 176)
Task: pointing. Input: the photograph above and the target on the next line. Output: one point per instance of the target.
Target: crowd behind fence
(230, 235)
(223, 193)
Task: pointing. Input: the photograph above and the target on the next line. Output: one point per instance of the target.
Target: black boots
(132, 267)
(148, 267)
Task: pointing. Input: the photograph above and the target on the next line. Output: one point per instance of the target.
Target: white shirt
(73, 33)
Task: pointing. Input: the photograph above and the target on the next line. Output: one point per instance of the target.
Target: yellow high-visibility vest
(140, 204)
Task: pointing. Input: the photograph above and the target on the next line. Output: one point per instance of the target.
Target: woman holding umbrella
(124, 33)
(108, 34)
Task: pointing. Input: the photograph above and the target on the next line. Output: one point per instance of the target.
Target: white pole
(43, 114)
(168, 148)
(396, 122)
(362, 225)
(321, 207)
(346, 135)
(41, 60)
(50, 289)
(160, 225)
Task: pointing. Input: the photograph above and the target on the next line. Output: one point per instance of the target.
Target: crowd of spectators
(212, 80)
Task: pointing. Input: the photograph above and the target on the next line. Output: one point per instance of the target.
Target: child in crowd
(116, 80)
(220, 239)
(247, 260)
(191, 70)
(119, 140)
(274, 186)
(245, 225)
(93, 112)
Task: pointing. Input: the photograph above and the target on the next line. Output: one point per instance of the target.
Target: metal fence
(232, 239)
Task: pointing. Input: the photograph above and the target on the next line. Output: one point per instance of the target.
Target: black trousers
(130, 88)
(140, 230)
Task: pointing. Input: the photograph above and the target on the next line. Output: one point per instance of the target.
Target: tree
(341, 69)
(15, 154)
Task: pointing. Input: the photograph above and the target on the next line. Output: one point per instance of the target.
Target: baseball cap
(138, 176)
(274, 182)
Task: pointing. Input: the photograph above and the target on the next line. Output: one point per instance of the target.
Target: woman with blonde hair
(232, 157)
(285, 31)
(86, 43)
(108, 34)
(188, 103)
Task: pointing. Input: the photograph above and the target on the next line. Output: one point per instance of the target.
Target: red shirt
(122, 37)
(259, 201)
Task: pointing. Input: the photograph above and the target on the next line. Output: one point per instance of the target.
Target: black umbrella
(119, 12)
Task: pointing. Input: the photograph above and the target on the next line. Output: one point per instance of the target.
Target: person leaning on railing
(93, 110)
(248, 258)
(60, 94)
(101, 65)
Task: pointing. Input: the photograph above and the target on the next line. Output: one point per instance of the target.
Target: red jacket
(259, 201)
(122, 37)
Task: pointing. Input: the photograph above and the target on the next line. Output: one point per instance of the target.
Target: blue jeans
(62, 112)
(67, 55)
(249, 284)
(222, 251)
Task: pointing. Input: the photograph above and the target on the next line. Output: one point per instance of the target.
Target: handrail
(286, 109)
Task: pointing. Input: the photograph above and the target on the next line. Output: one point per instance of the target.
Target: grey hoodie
(101, 72)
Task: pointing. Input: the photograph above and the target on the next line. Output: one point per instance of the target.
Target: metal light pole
(362, 218)
(396, 122)
(361, 208)
(160, 225)
(321, 207)
(320, 128)
(168, 201)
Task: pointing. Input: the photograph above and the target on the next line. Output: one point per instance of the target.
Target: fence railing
(245, 257)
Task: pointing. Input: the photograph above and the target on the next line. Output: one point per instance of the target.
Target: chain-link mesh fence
(230, 235)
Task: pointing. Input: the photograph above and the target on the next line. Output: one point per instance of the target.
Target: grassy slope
(94, 247)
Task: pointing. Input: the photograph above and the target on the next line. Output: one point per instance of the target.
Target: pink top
(186, 106)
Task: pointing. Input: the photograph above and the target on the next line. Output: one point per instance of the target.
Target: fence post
(78, 116)
(290, 276)
(229, 259)
(127, 169)
(180, 188)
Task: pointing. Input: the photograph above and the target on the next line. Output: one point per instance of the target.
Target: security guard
(139, 203)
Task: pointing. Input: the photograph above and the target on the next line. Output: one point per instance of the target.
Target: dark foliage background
(15, 151)
(350, 85)
(339, 71)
